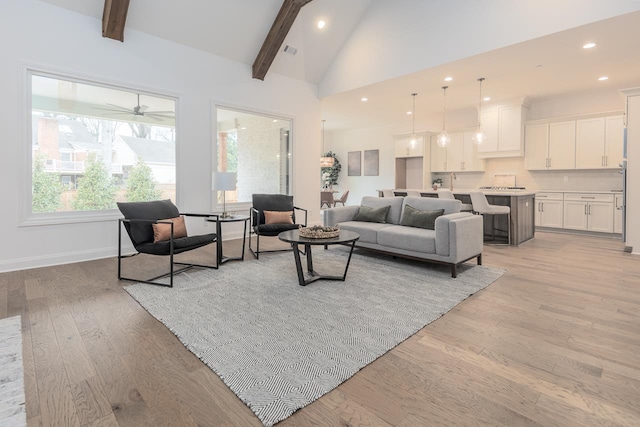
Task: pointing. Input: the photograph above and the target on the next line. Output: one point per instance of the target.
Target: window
(257, 148)
(93, 145)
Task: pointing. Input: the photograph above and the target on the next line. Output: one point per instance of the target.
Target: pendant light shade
(443, 138)
(325, 162)
(413, 141)
(479, 136)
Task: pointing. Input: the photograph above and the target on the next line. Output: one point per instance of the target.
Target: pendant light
(479, 136)
(325, 162)
(444, 139)
(413, 141)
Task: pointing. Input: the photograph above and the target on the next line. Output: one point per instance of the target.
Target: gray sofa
(457, 236)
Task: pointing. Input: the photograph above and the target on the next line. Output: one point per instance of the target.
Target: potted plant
(437, 183)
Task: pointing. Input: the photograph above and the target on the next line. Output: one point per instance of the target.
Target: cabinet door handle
(585, 209)
(587, 197)
(606, 160)
(549, 161)
(541, 207)
(589, 209)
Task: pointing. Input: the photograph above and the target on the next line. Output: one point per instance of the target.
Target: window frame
(243, 207)
(29, 218)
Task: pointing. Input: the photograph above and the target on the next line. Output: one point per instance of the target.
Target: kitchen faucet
(451, 178)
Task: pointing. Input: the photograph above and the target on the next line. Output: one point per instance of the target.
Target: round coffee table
(347, 238)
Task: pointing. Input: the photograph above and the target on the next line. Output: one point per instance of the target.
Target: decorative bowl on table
(319, 232)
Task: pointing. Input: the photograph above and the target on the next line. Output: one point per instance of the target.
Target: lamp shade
(326, 162)
(224, 181)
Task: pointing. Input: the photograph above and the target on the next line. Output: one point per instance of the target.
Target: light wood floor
(554, 342)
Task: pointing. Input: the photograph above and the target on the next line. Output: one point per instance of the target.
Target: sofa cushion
(413, 217)
(432, 203)
(408, 238)
(365, 213)
(394, 203)
(367, 230)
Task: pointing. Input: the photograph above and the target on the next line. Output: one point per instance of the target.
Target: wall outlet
(566, 179)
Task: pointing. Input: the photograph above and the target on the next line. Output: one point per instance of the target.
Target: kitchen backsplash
(576, 180)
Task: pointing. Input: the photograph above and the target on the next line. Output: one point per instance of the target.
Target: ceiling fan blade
(161, 112)
(113, 111)
(143, 108)
(119, 107)
(154, 117)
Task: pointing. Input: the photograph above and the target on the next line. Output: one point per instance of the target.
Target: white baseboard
(63, 258)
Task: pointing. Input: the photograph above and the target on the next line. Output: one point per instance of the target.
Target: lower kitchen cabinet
(589, 212)
(549, 210)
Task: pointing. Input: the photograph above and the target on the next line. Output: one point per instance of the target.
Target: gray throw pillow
(367, 214)
(413, 217)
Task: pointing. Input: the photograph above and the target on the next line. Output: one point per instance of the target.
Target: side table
(219, 221)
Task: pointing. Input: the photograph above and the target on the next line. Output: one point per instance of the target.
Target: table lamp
(224, 181)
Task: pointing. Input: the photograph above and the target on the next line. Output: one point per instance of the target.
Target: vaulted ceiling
(425, 43)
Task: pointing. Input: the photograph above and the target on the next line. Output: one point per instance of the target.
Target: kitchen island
(521, 202)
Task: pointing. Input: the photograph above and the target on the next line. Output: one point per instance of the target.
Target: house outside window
(257, 147)
(93, 145)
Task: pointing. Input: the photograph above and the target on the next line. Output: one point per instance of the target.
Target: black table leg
(314, 275)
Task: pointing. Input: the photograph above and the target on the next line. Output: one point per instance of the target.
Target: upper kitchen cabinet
(460, 155)
(504, 129)
(599, 142)
(406, 148)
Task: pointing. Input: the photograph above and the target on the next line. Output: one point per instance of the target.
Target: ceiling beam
(281, 26)
(113, 18)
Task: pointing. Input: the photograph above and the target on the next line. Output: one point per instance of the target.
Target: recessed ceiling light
(603, 78)
(275, 120)
(486, 98)
(409, 113)
(589, 45)
(448, 79)
(364, 99)
(321, 24)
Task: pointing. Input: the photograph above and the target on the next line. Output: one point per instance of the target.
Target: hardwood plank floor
(555, 341)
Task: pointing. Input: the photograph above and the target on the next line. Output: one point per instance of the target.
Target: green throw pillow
(365, 213)
(413, 217)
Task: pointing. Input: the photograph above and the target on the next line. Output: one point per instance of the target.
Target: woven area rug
(12, 400)
(280, 346)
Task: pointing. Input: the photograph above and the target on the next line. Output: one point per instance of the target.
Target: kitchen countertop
(466, 191)
(580, 191)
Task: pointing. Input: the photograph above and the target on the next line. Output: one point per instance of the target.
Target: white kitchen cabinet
(550, 146)
(599, 142)
(617, 213)
(504, 129)
(438, 156)
(549, 210)
(460, 155)
(405, 148)
(589, 212)
(562, 145)
(470, 159)
(613, 141)
(536, 141)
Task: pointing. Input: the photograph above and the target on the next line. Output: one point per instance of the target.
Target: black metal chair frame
(172, 271)
(253, 213)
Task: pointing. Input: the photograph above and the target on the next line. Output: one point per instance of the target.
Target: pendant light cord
(413, 116)
(444, 106)
(480, 104)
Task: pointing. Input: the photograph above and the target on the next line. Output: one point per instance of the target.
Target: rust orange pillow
(278, 217)
(162, 231)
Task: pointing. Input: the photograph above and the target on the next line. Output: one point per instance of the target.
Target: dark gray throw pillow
(367, 214)
(413, 217)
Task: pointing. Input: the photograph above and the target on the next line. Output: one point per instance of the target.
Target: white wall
(389, 42)
(54, 38)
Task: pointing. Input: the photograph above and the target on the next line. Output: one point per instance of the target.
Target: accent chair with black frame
(278, 206)
(138, 221)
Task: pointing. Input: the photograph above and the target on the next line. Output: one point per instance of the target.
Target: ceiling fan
(139, 110)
